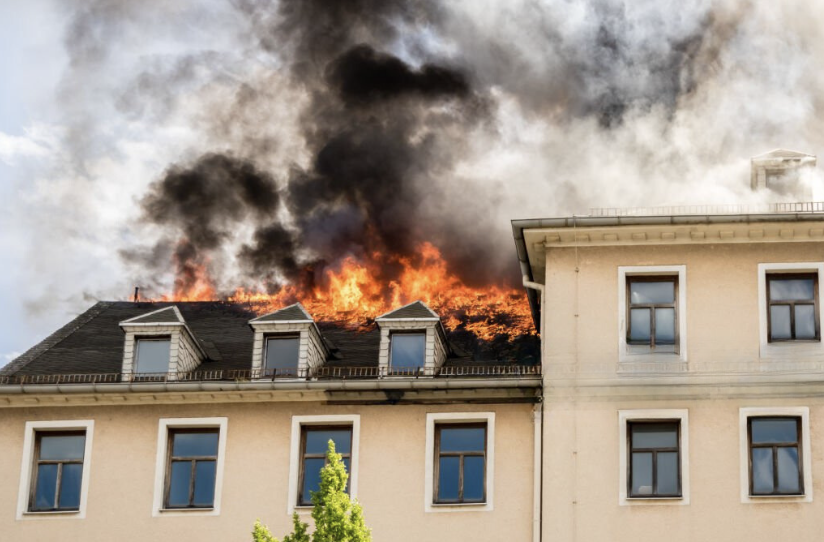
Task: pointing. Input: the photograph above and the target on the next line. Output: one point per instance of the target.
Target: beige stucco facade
(592, 382)
(255, 484)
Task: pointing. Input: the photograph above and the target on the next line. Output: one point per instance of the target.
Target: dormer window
(407, 351)
(282, 355)
(153, 355)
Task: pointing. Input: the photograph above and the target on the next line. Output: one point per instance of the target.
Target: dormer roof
(287, 315)
(166, 315)
(413, 311)
(780, 154)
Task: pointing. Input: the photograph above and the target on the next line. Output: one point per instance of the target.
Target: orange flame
(353, 293)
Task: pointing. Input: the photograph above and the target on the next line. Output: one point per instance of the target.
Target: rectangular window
(792, 307)
(775, 456)
(57, 473)
(282, 354)
(191, 468)
(314, 444)
(460, 463)
(152, 355)
(652, 311)
(407, 352)
(655, 465)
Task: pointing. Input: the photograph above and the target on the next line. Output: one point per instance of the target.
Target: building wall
(255, 484)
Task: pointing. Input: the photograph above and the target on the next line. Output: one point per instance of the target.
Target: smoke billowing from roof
(268, 142)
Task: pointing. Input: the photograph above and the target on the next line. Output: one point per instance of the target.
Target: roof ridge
(55, 338)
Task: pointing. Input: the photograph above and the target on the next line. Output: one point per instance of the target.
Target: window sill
(460, 507)
(775, 499)
(35, 513)
(187, 512)
(654, 501)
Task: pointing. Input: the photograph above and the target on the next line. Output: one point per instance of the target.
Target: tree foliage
(337, 517)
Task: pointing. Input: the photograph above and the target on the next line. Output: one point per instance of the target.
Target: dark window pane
(639, 325)
(642, 473)
(654, 435)
(179, 480)
(62, 446)
(311, 477)
(668, 473)
(282, 353)
(652, 292)
(780, 322)
(448, 478)
(408, 350)
(346, 463)
(788, 470)
(473, 488)
(762, 470)
(766, 430)
(317, 440)
(791, 289)
(152, 356)
(46, 487)
(804, 322)
(204, 483)
(463, 439)
(665, 326)
(194, 444)
(70, 485)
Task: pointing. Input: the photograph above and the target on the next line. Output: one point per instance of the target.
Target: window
(460, 466)
(309, 439)
(459, 462)
(55, 469)
(189, 467)
(152, 355)
(654, 468)
(652, 311)
(653, 457)
(652, 323)
(314, 444)
(282, 354)
(775, 454)
(792, 302)
(407, 351)
(190, 473)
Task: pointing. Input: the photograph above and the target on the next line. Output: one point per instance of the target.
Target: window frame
(170, 457)
(28, 472)
(295, 458)
(433, 419)
(38, 436)
(439, 426)
(303, 455)
(773, 446)
(630, 279)
(770, 277)
(264, 371)
(406, 370)
(802, 414)
(165, 427)
(625, 419)
(631, 449)
(629, 353)
(150, 338)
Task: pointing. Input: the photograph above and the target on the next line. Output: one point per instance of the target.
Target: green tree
(337, 517)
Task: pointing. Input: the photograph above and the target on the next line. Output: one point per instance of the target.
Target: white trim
(426, 319)
(258, 320)
(624, 351)
(744, 454)
(781, 350)
(180, 319)
(432, 419)
(28, 462)
(164, 424)
(352, 420)
(625, 416)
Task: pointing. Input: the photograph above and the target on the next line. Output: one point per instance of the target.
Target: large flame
(353, 292)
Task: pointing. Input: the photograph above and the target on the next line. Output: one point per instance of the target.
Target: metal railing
(765, 208)
(319, 373)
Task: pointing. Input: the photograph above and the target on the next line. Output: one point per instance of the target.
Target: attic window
(407, 351)
(153, 355)
(282, 353)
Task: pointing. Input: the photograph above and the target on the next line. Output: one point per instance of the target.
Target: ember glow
(355, 293)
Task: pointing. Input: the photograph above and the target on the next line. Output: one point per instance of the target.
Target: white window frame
(298, 422)
(680, 415)
(780, 350)
(630, 353)
(744, 414)
(149, 338)
(27, 468)
(435, 418)
(164, 425)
